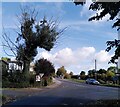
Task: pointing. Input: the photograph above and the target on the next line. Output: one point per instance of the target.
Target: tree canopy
(82, 73)
(113, 9)
(61, 71)
(44, 66)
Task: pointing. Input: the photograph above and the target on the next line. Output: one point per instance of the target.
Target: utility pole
(95, 69)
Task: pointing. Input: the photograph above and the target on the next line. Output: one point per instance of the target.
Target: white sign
(38, 78)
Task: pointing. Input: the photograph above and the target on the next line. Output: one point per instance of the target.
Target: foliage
(71, 73)
(110, 74)
(47, 80)
(44, 66)
(82, 73)
(4, 68)
(91, 73)
(101, 71)
(15, 79)
(61, 71)
(33, 34)
(111, 68)
(5, 59)
(67, 76)
(113, 9)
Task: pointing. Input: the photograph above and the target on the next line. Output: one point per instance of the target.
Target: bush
(101, 81)
(67, 76)
(32, 80)
(8, 84)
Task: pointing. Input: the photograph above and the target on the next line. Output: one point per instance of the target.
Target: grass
(111, 85)
(83, 81)
(77, 80)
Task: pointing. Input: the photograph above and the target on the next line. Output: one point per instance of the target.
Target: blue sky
(81, 42)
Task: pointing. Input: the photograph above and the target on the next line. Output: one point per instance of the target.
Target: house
(15, 65)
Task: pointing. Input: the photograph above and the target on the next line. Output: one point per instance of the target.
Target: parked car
(92, 81)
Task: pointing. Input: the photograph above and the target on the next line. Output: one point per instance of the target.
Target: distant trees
(67, 76)
(112, 68)
(71, 73)
(101, 71)
(91, 73)
(113, 9)
(61, 71)
(103, 75)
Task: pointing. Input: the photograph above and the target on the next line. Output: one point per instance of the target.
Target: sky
(80, 44)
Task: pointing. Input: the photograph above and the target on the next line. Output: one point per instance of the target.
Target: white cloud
(103, 56)
(77, 60)
(85, 10)
(67, 56)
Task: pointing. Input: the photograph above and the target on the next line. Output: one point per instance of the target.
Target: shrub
(101, 81)
(67, 76)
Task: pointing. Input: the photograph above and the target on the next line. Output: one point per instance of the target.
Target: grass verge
(77, 80)
(108, 85)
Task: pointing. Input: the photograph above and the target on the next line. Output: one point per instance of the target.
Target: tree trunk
(26, 66)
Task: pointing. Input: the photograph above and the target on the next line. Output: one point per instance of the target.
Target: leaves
(44, 66)
(113, 9)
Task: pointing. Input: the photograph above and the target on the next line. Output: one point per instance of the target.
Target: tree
(67, 76)
(6, 59)
(113, 9)
(44, 66)
(33, 34)
(91, 73)
(61, 71)
(82, 75)
(110, 75)
(71, 73)
(112, 68)
(100, 71)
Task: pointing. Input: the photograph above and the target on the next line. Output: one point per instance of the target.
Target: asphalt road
(68, 93)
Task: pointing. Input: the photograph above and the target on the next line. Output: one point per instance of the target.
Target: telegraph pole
(95, 69)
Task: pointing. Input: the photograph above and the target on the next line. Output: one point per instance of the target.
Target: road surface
(68, 93)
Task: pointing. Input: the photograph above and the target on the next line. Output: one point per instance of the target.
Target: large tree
(33, 34)
(113, 9)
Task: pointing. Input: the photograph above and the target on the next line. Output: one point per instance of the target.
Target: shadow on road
(45, 101)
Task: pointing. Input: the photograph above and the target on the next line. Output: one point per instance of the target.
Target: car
(92, 81)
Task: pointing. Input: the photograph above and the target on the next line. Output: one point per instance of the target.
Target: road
(68, 93)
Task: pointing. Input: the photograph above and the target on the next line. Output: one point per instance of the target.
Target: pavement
(68, 94)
